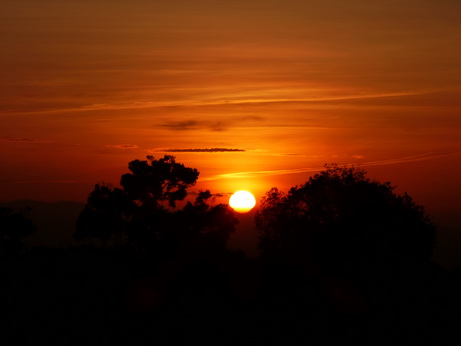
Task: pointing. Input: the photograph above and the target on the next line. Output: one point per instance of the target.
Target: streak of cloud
(254, 174)
(312, 99)
(219, 194)
(213, 125)
(45, 182)
(21, 140)
(223, 101)
(123, 146)
(198, 150)
(194, 124)
(181, 125)
(415, 158)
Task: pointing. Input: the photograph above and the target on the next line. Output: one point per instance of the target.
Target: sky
(254, 94)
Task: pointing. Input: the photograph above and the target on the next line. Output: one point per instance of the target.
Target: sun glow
(242, 201)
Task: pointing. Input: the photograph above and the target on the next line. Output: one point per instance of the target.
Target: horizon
(245, 95)
(254, 95)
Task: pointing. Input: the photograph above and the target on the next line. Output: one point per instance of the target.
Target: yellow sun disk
(242, 201)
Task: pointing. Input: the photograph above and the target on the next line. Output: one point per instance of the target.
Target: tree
(105, 215)
(144, 211)
(13, 227)
(153, 181)
(202, 218)
(341, 215)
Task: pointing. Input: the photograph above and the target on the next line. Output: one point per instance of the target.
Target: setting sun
(242, 201)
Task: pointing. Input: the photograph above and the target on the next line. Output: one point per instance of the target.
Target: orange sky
(88, 86)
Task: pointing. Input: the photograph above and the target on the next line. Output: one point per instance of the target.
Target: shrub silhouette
(340, 215)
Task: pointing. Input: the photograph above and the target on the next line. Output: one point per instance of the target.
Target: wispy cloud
(181, 125)
(123, 146)
(254, 174)
(265, 152)
(311, 99)
(213, 125)
(194, 124)
(219, 194)
(197, 150)
(22, 140)
(235, 100)
(45, 182)
(414, 158)
(226, 100)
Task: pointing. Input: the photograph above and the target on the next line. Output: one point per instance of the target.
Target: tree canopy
(144, 213)
(154, 181)
(340, 214)
(13, 227)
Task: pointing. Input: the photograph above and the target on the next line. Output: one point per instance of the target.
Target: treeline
(344, 259)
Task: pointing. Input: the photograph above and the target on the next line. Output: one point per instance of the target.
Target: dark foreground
(82, 296)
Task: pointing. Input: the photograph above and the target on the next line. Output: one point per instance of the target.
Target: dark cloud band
(202, 150)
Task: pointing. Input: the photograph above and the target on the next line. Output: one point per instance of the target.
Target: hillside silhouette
(344, 260)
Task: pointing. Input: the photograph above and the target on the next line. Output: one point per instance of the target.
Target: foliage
(340, 214)
(154, 181)
(144, 213)
(105, 214)
(200, 217)
(13, 227)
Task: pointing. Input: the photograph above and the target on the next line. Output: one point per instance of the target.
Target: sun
(242, 201)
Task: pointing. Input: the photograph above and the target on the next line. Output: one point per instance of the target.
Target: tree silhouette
(105, 215)
(13, 227)
(340, 215)
(153, 181)
(144, 211)
(202, 218)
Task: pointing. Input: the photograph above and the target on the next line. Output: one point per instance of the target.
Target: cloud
(213, 125)
(181, 125)
(226, 101)
(414, 158)
(123, 146)
(45, 182)
(219, 194)
(265, 152)
(253, 174)
(197, 150)
(21, 140)
(194, 124)
(243, 101)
